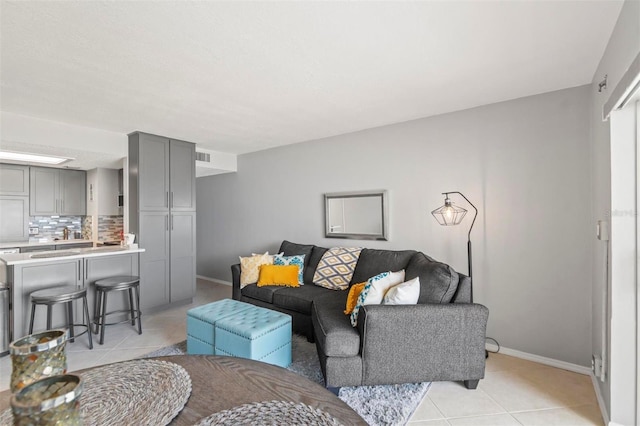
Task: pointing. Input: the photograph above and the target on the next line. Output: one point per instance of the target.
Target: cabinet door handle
(172, 222)
(61, 206)
(167, 199)
(166, 223)
(79, 269)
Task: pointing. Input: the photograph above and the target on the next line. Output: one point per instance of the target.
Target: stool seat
(64, 294)
(58, 294)
(122, 282)
(130, 283)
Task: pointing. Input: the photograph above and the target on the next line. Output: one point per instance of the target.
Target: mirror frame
(384, 213)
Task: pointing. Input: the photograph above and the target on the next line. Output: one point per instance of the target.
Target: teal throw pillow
(297, 260)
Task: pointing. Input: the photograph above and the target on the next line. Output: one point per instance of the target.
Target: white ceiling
(243, 76)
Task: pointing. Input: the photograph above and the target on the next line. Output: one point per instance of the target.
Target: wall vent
(203, 156)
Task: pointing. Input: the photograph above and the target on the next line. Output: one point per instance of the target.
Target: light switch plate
(34, 231)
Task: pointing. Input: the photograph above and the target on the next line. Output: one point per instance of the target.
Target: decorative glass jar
(37, 356)
(51, 401)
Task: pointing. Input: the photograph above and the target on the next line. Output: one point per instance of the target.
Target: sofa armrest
(425, 342)
(235, 281)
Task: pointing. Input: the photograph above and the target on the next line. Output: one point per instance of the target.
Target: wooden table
(221, 383)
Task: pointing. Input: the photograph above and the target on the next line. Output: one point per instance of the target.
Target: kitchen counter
(25, 273)
(19, 244)
(10, 259)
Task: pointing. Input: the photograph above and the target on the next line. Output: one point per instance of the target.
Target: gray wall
(524, 163)
(622, 48)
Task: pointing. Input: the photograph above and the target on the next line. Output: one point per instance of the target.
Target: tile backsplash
(52, 226)
(109, 228)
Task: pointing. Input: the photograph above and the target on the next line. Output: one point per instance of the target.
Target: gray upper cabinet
(44, 192)
(14, 180)
(14, 218)
(153, 174)
(57, 192)
(73, 192)
(182, 195)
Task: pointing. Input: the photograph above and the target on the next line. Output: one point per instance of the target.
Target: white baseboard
(214, 280)
(541, 359)
(601, 404)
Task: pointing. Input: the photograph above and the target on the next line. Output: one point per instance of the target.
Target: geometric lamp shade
(449, 214)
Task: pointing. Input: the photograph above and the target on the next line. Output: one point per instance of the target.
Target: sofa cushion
(279, 275)
(293, 249)
(332, 328)
(336, 268)
(297, 260)
(299, 299)
(310, 269)
(438, 281)
(373, 262)
(261, 293)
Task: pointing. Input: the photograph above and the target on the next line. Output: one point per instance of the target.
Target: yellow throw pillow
(285, 275)
(249, 271)
(352, 297)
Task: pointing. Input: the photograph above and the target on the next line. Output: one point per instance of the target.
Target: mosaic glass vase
(51, 401)
(38, 356)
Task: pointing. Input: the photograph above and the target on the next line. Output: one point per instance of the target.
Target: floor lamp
(450, 215)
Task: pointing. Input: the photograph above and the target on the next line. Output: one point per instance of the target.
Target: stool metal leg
(138, 311)
(49, 317)
(85, 310)
(133, 318)
(96, 310)
(33, 316)
(70, 321)
(103, 308)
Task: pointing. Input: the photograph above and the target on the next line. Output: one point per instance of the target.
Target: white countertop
(18, 244)
(43, 256)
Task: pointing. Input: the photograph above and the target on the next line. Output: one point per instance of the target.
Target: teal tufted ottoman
(233, 328)
(201, 322)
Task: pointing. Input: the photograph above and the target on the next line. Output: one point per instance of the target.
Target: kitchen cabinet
(162, 214)
(14, 180)
(14, 218)
(182, 232)
(153, 236)
(31, 277)
(97, 268)
(25, 278)
(57, 192)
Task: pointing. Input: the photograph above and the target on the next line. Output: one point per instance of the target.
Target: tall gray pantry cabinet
(162, 214)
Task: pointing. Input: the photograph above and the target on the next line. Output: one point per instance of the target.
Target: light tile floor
(513, 392)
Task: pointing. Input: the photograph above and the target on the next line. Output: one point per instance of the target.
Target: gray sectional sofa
(440, 338)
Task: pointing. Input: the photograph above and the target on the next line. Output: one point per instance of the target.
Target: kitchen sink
(104, 249)
(58, 253)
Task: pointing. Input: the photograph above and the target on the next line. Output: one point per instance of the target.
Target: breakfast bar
(25, 273)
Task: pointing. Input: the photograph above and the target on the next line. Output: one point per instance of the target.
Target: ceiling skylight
(32, 158)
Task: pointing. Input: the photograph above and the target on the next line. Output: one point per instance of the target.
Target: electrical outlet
(597, 366)
(34, 231)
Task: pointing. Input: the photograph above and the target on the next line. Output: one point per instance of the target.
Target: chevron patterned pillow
(336, 268)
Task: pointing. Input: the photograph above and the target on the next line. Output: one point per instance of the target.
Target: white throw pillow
(406, 293)
(379, 288)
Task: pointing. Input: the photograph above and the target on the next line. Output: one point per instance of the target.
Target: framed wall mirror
(356, 215)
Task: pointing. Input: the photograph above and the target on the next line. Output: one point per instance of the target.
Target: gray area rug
(377, 405)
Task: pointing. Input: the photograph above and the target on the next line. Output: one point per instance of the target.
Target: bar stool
(62, 294)
(120, 283)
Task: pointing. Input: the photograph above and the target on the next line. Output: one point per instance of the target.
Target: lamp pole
(469, 258)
